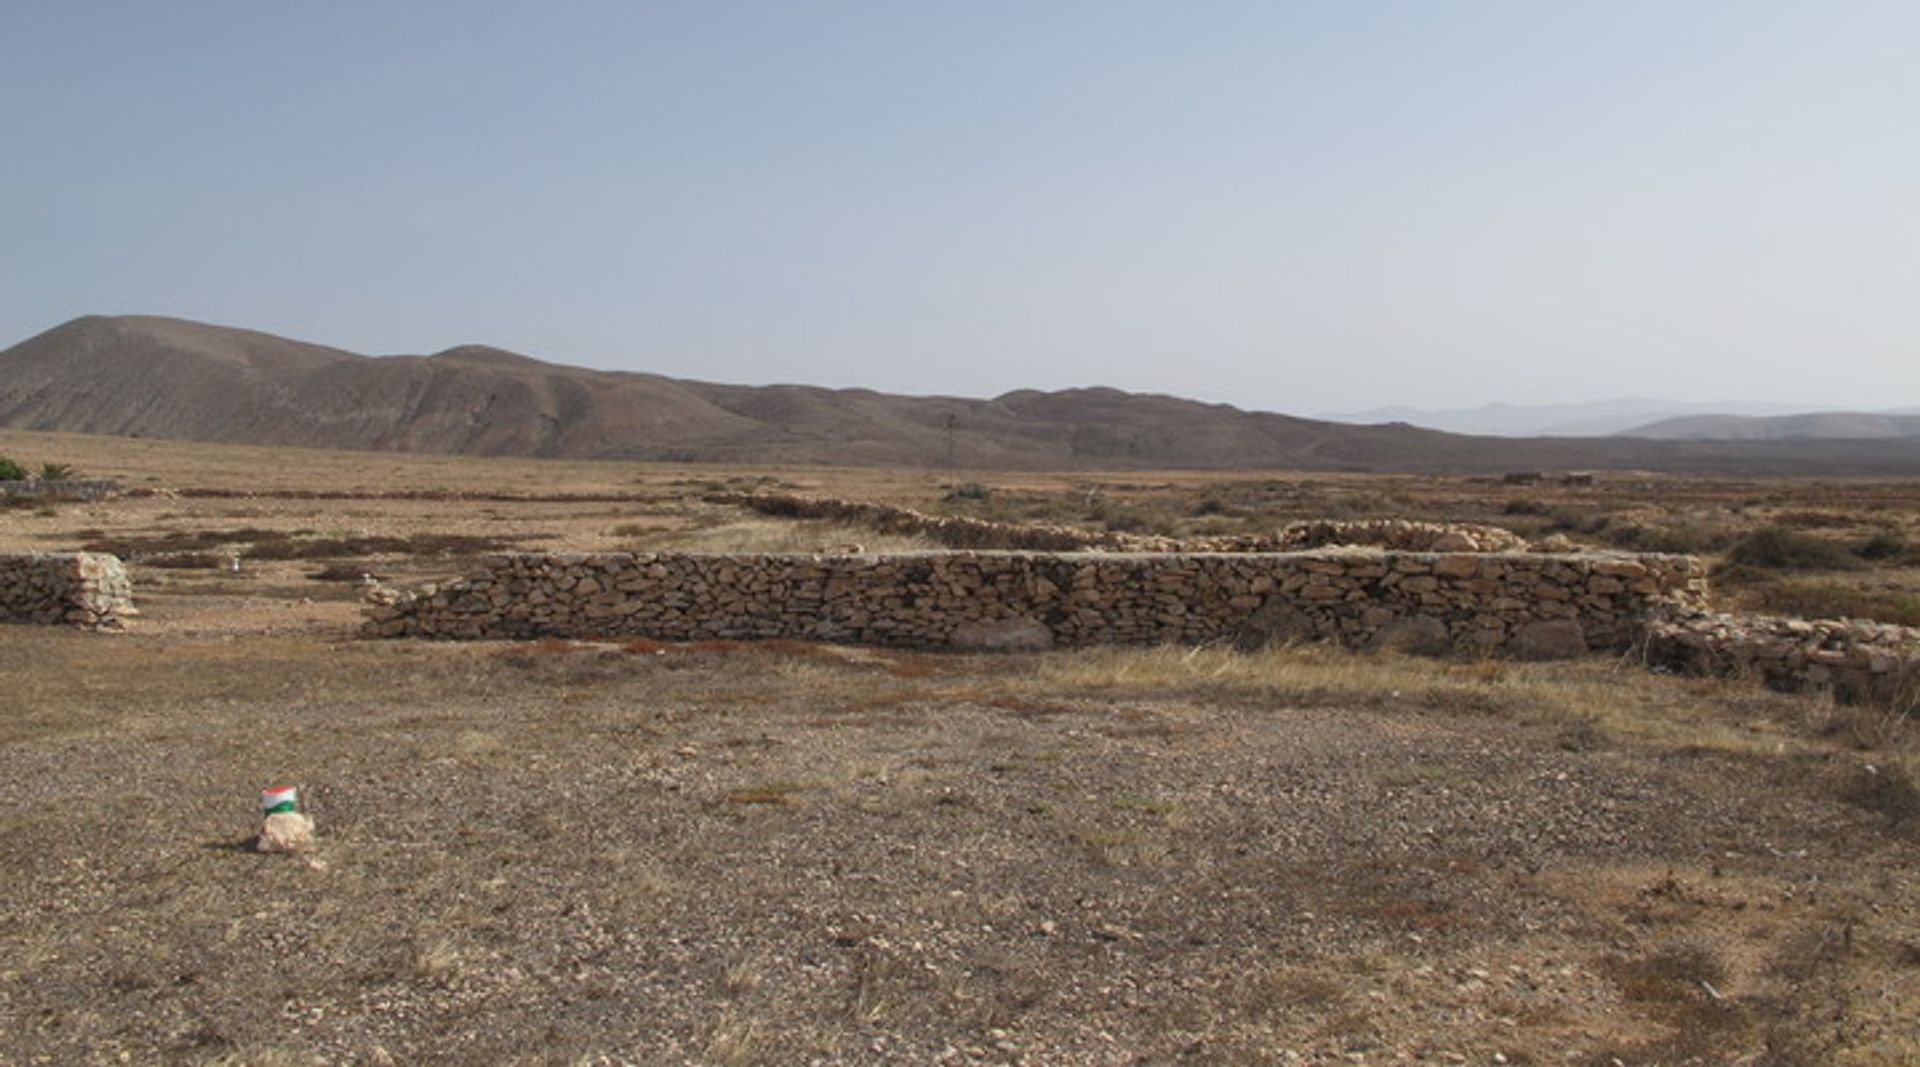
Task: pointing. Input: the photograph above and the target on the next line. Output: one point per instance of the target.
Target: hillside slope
(169, 378)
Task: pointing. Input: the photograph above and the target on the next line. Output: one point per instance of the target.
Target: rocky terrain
(730, 852)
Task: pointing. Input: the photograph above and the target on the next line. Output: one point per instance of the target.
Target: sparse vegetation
(11, 470)
(1781, 548)
(1526, 506)
(731, 851)
(1883, 546)
(1825, 598)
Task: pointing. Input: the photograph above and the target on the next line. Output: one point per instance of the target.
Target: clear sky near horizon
(1288, 206)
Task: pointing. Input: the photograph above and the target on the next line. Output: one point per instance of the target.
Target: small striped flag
(275, 801)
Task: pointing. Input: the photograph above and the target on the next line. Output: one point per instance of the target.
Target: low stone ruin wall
(75, 588)
(1406, 535)
(965, 532)
(59, 489)
(953, 531)
(1524, 604)
(1857, 659)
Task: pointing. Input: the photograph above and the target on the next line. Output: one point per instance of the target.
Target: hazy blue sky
(1289, 206)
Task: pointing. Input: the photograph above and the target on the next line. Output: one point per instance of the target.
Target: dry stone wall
(1857, 659)
(59, 489)
(965, 532)
(1516, 603)
(1404, 534)
(75, 588)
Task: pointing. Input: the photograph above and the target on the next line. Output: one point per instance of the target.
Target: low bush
(1212, 504)
(1584, 523)
(11, 471)
(1779, 548)
(1882, 546)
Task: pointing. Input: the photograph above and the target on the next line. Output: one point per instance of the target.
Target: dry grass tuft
(736, 1040)
(436, 961)
(1888, 790)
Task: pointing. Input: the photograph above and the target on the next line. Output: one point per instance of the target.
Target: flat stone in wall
(1495, 603)
(87, 589)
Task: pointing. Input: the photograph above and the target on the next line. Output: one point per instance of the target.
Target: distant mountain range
(1598, 418)
(170, 378)
(1855, 425)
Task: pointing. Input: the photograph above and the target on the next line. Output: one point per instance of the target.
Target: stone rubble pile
(1856, 658)
(1525, 604)
(87, 589)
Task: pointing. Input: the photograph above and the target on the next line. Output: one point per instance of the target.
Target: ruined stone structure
(75, 588)
(1511, 603)
(965, 532)
(60, 489)
(1856, 658)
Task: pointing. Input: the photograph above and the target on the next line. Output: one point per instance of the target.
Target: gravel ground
(711, 854)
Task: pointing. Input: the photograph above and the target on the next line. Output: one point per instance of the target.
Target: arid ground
(601, 853)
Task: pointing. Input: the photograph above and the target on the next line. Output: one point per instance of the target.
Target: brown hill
(159, 377)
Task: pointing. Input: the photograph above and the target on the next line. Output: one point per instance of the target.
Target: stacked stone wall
(1516, 603)
(73, 588)
(59, 489)
(1857, 659)
(966, 532)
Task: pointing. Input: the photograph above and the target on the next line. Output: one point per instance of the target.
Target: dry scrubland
(598, 853)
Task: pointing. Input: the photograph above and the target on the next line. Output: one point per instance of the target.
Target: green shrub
(1779, 548)
(969, 491)
(1586, 523)
(1884, 545)
(11, 471)
(56, 472)
(1212, 504)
